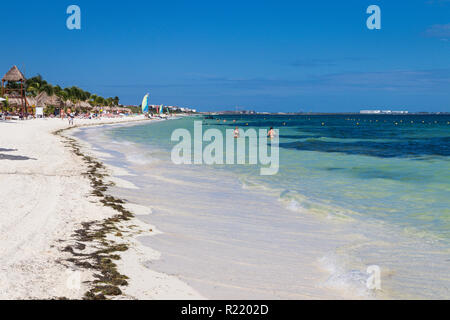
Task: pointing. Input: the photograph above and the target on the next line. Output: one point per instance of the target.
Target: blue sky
(260, 55)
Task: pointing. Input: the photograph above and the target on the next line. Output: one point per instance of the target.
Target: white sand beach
(44, 198)
(62, 236)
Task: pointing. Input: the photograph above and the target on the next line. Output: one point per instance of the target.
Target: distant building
(400, 112)
(394, 112)
(370, 112)
(383, 112)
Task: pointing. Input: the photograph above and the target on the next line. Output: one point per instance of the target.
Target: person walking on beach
(236, 133)
(71, 116)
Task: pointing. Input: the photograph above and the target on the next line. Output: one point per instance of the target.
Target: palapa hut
(69, 104)
(83, 105)
(55, 101)
(44, 100)
(18, 101)
(121, 110)
(13, 88)
(41, 100)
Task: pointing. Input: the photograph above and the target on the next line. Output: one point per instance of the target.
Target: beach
(46, 196)
(225, 156)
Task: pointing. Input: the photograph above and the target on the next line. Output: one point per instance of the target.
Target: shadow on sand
(12, 157)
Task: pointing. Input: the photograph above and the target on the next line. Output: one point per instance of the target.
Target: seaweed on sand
(108, 279)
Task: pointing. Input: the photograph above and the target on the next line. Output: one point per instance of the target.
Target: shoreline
(87, 236)
(120, 265)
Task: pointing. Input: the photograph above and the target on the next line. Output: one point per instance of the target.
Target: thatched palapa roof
(69, 104)
(14, 74)
(83, 104)
(17, 101)
(43, 100)
(78, 104)
(121, 109)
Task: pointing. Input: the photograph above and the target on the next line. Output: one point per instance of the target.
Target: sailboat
(161, 111)
(145, 104)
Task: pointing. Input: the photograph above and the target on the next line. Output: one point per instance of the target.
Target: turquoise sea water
(394, 168)
(379, 183)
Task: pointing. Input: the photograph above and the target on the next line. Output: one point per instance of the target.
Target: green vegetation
(37, 84)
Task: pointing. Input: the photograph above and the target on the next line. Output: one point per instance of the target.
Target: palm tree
(34, 88)
(86, 95)
(48, 89)
(37, 84)
(60, 93)
(100, 101)
(64, 96)
(68, 94)
(57, 89)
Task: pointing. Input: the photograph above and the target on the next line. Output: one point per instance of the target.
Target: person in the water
(271, 133)
(236, 133)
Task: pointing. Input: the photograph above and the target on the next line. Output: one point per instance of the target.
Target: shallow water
(352, 191)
